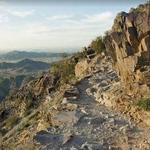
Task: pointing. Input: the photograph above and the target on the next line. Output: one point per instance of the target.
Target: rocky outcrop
(43, 85)
(129, 45)
(81, 68)
(86, 67)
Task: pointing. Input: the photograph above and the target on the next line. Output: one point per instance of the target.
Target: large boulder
(129, 45)
(81, 68)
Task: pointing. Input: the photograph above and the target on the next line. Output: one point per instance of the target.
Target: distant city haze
(56, 26)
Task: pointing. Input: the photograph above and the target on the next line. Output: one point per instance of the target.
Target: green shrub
(65, 69)
(30, 102)
(80, 55)
(98, 45)
(11, 121)
(144, 103)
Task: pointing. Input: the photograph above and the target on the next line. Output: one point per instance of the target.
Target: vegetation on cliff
(98, 44)
(64, 69)
(144, 103)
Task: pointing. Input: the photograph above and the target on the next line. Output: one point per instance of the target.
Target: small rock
(71, 107)
(106, 116)
(48, 98)
(83, 111)
(106, 88)
(112, 120)
(104, 83)
(72, 92)
(123, 129)
(66, 117)
(64, 101)
(88, 91)
(89, 123)
(73, 148)
(86, 146)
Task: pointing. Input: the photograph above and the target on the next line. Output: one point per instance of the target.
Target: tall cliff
(128, 43)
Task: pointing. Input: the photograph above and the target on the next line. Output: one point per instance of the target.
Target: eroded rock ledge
(129, 45)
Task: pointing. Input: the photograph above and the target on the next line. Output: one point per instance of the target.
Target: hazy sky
(56, 25)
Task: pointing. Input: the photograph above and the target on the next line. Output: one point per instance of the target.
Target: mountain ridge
(27, 64)
(18, 55)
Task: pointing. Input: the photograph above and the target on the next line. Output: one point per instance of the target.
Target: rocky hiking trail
(92, 126)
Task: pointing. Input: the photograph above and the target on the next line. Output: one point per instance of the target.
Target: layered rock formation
(129, 45)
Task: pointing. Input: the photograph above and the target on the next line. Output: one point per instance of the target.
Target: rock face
(81, 68)
(129, 45)
(85, 67)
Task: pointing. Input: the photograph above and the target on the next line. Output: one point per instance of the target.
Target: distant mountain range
(19, 55)
(18, 66)
(12, 75)
(27, 65)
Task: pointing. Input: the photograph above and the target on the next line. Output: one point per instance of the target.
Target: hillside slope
(12, 75)
(27, 65)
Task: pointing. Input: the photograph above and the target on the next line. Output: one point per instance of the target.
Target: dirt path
(92, 127)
